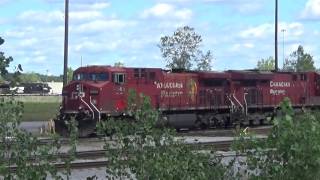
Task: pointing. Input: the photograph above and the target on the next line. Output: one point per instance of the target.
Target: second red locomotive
(191, 99)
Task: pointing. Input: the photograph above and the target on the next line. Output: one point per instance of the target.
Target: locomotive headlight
(78, 87)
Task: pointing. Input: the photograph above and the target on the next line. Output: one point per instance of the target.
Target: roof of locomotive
(94, 68)
(243, 74)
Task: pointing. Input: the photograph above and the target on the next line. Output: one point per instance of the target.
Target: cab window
(118, 78)
(99, 76)
(80, 77)
(139, 73)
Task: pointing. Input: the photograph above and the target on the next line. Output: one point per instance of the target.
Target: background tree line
(181, 50)
(298, 61)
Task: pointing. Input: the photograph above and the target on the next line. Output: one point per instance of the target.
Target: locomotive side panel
(292, 85)
(178, 91)
(143, 80)
(214, 88)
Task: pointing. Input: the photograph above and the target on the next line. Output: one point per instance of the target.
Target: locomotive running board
(87, 106)
(99, 113)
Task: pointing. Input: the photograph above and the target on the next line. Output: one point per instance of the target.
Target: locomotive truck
(186, 99)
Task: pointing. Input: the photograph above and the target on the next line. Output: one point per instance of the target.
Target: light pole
(283, 31)
(47, 71)
(276, 37)
(66, 31)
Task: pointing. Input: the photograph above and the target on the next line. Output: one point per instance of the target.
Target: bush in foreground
(21, 154)
(146, 152)
(291, 151)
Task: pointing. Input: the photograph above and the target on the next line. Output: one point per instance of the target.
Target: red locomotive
(186, 99)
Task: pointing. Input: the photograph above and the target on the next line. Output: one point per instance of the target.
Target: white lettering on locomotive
(277, 92)
(280, 84)
(170, 94)
(169, 85)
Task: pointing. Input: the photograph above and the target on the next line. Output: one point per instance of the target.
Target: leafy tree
(291, 150)
(1, 41)
(70, 74)
(4, 64)
(204, 63)
(23, 150)
(4, 61)
(118, 64)
(1, 79)
(181, 50)
(150, 152)
(299, 61)
(266, 64)
(289, 65)
(46, 78)
(31, 77)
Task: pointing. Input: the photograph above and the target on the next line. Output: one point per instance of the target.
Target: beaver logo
(192, 89)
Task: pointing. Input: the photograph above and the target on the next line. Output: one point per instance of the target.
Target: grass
(40, 111)
(38, 108)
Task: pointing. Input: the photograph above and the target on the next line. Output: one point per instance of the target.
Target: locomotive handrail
(238, 102)
(245, 103)
(99, 113)
(87, 106)
(232, 103)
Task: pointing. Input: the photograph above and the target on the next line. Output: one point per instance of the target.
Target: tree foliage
(204, 63)
(266, 64)
(17, 147)
(181, 50)
(69, 74)
(4, 64)
(4, 61)
(144, 151)
(299, 61)
(291, 150)
(22, 150)
(31, 77)
(118, 64)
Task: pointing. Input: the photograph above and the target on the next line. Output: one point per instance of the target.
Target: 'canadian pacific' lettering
(280, 84)
(169, 85)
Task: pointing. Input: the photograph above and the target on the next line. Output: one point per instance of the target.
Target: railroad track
(263, 130)
(97, 158)
(216, 145)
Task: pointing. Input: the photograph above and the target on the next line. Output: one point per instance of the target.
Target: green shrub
(291, 150)
(146, 152)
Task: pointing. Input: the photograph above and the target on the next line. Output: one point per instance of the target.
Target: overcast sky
(239, 32)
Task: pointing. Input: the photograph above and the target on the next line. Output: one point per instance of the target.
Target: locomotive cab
(82, 97)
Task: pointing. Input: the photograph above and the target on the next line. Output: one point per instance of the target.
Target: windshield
(99, 77)
(91, 77)
(80, 76)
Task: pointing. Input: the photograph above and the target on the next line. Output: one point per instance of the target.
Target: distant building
(4, 87)
(56, 87)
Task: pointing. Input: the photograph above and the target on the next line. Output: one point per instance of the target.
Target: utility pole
(283, 31)
(276, 37)
(66, 32)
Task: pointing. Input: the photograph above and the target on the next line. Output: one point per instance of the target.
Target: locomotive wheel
(200, 125)
(61, 128)
(86, 128)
